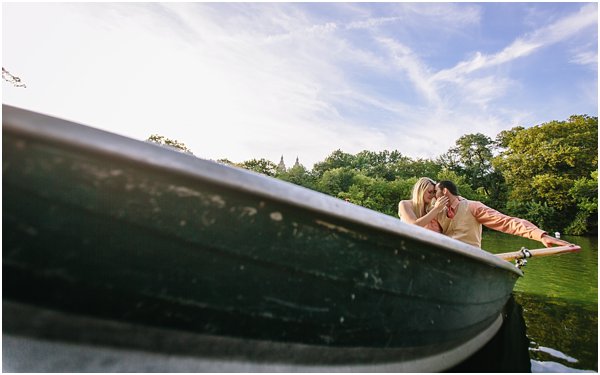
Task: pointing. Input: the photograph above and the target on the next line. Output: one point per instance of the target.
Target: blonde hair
(418, 191)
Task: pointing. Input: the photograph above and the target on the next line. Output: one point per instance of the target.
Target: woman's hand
(440, 203)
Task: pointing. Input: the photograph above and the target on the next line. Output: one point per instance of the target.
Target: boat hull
(126, 230)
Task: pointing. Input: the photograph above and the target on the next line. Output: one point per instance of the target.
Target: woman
(419, 209)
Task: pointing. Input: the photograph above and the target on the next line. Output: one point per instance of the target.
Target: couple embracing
(439, 207)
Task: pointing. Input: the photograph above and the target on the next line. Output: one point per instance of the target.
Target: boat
(105, 237)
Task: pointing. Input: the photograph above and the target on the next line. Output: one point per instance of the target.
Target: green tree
(585, 194)
(464, 188)
(364, 191)
(263, 166)
(377, 194)
(541, 164)
(298, 175)
(388, 165)
(162, 140)
(14, 80)
(337, 159)
(504, 138)
(226, 162)
(336, 180)
(417, 168)
(381, 164)
(472, 158)
(543, 215)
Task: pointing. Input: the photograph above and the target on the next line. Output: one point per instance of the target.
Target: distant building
(281, 167)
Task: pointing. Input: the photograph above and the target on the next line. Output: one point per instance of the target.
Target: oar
(525, 253)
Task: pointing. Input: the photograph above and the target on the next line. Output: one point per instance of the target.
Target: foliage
(337, 159)
(567, 148)
(226, 162)
(377, 193)
(504, 138)
(543, 215)
(162, 140)
(542, 164)
(473, 155)
(263, 166)
(472, 158)
(417, 168)
(14, 80)
(336, 180)
(579, 225)
(384, 164)
(298, 175)
(547, 174)
(585, 194)
(388, 165)
(464, 188)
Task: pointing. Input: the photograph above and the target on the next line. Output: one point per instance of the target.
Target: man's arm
(496, 220)
(503, 223)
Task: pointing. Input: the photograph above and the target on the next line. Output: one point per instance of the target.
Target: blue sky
(262, 80)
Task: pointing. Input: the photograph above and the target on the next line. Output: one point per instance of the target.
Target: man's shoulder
(469, 201)
(473, 205)
(463, 200)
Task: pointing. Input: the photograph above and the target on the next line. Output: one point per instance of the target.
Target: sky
(264, 80)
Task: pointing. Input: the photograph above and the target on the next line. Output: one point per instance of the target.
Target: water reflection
(507, 351)
(559, 297)
(533, 327)
(563, 334)
(537, 366)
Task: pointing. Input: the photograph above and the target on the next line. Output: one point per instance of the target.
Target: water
(559, 300)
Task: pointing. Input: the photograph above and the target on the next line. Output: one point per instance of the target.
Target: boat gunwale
(52, 129)
(255, 354)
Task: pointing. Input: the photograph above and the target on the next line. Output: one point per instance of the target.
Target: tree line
(547, 174)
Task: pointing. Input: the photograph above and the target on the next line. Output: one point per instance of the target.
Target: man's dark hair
(448, 185)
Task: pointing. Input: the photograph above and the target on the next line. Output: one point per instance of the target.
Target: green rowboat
(102, 226)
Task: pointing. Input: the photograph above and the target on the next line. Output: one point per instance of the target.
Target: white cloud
(371, 23)
(585, 58)
(558, 31)
(482, 91)
(443, 15)
(417, 72)
(567, 27)
(245, 80)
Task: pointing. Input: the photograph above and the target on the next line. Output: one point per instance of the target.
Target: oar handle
(539, 252)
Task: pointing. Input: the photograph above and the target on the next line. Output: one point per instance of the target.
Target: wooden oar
(525, 253)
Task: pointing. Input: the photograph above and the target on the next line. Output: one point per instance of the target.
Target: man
(463, 219)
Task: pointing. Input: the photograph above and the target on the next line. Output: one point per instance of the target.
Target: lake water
(558, 299)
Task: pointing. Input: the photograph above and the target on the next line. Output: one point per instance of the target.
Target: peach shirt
(434, 225)
(492, 219)
(498, 221)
